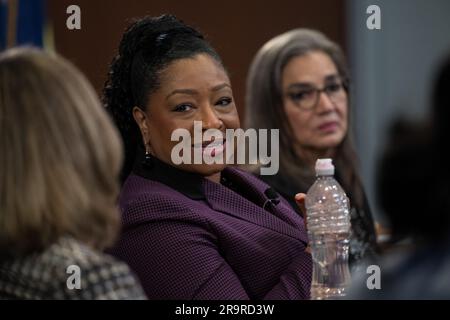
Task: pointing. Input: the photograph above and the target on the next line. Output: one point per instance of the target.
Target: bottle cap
(324, 167)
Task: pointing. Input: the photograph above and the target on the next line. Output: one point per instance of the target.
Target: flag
(27, 18)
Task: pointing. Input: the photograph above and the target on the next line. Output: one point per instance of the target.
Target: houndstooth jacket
(51, 275)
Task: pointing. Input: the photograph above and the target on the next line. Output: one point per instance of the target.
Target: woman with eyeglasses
(298, 83)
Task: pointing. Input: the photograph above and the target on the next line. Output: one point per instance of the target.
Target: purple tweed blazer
(187, 237)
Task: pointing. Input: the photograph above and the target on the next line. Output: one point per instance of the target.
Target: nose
(324, 104)
(210, 120)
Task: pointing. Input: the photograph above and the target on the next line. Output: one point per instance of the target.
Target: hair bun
(154, 30)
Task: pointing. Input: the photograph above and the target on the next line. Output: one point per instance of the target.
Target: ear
(140, 117)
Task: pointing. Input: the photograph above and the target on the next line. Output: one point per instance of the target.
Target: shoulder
(280, 181)
(99, 276)
(248, 177)
(71, 252)
(143, 200)
(139, 193)
(137, 187)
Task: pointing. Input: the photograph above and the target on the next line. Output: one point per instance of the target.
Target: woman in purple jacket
(194, 231)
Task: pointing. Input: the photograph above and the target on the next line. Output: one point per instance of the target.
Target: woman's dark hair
(147, 47)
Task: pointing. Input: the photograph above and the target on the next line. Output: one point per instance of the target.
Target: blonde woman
(59, 161)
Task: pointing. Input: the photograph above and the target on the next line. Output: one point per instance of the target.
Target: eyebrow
(302, 85)
(194, 92)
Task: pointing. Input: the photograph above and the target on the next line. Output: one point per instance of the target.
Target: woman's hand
(300, 200)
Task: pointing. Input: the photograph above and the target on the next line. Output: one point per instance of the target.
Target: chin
(331, 141)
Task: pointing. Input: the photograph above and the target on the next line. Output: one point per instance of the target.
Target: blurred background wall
(392, 68)
(393, 71)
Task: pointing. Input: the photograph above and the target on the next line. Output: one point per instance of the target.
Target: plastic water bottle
(328, 222)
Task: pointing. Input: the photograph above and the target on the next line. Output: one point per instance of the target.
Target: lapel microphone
(272, 197)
